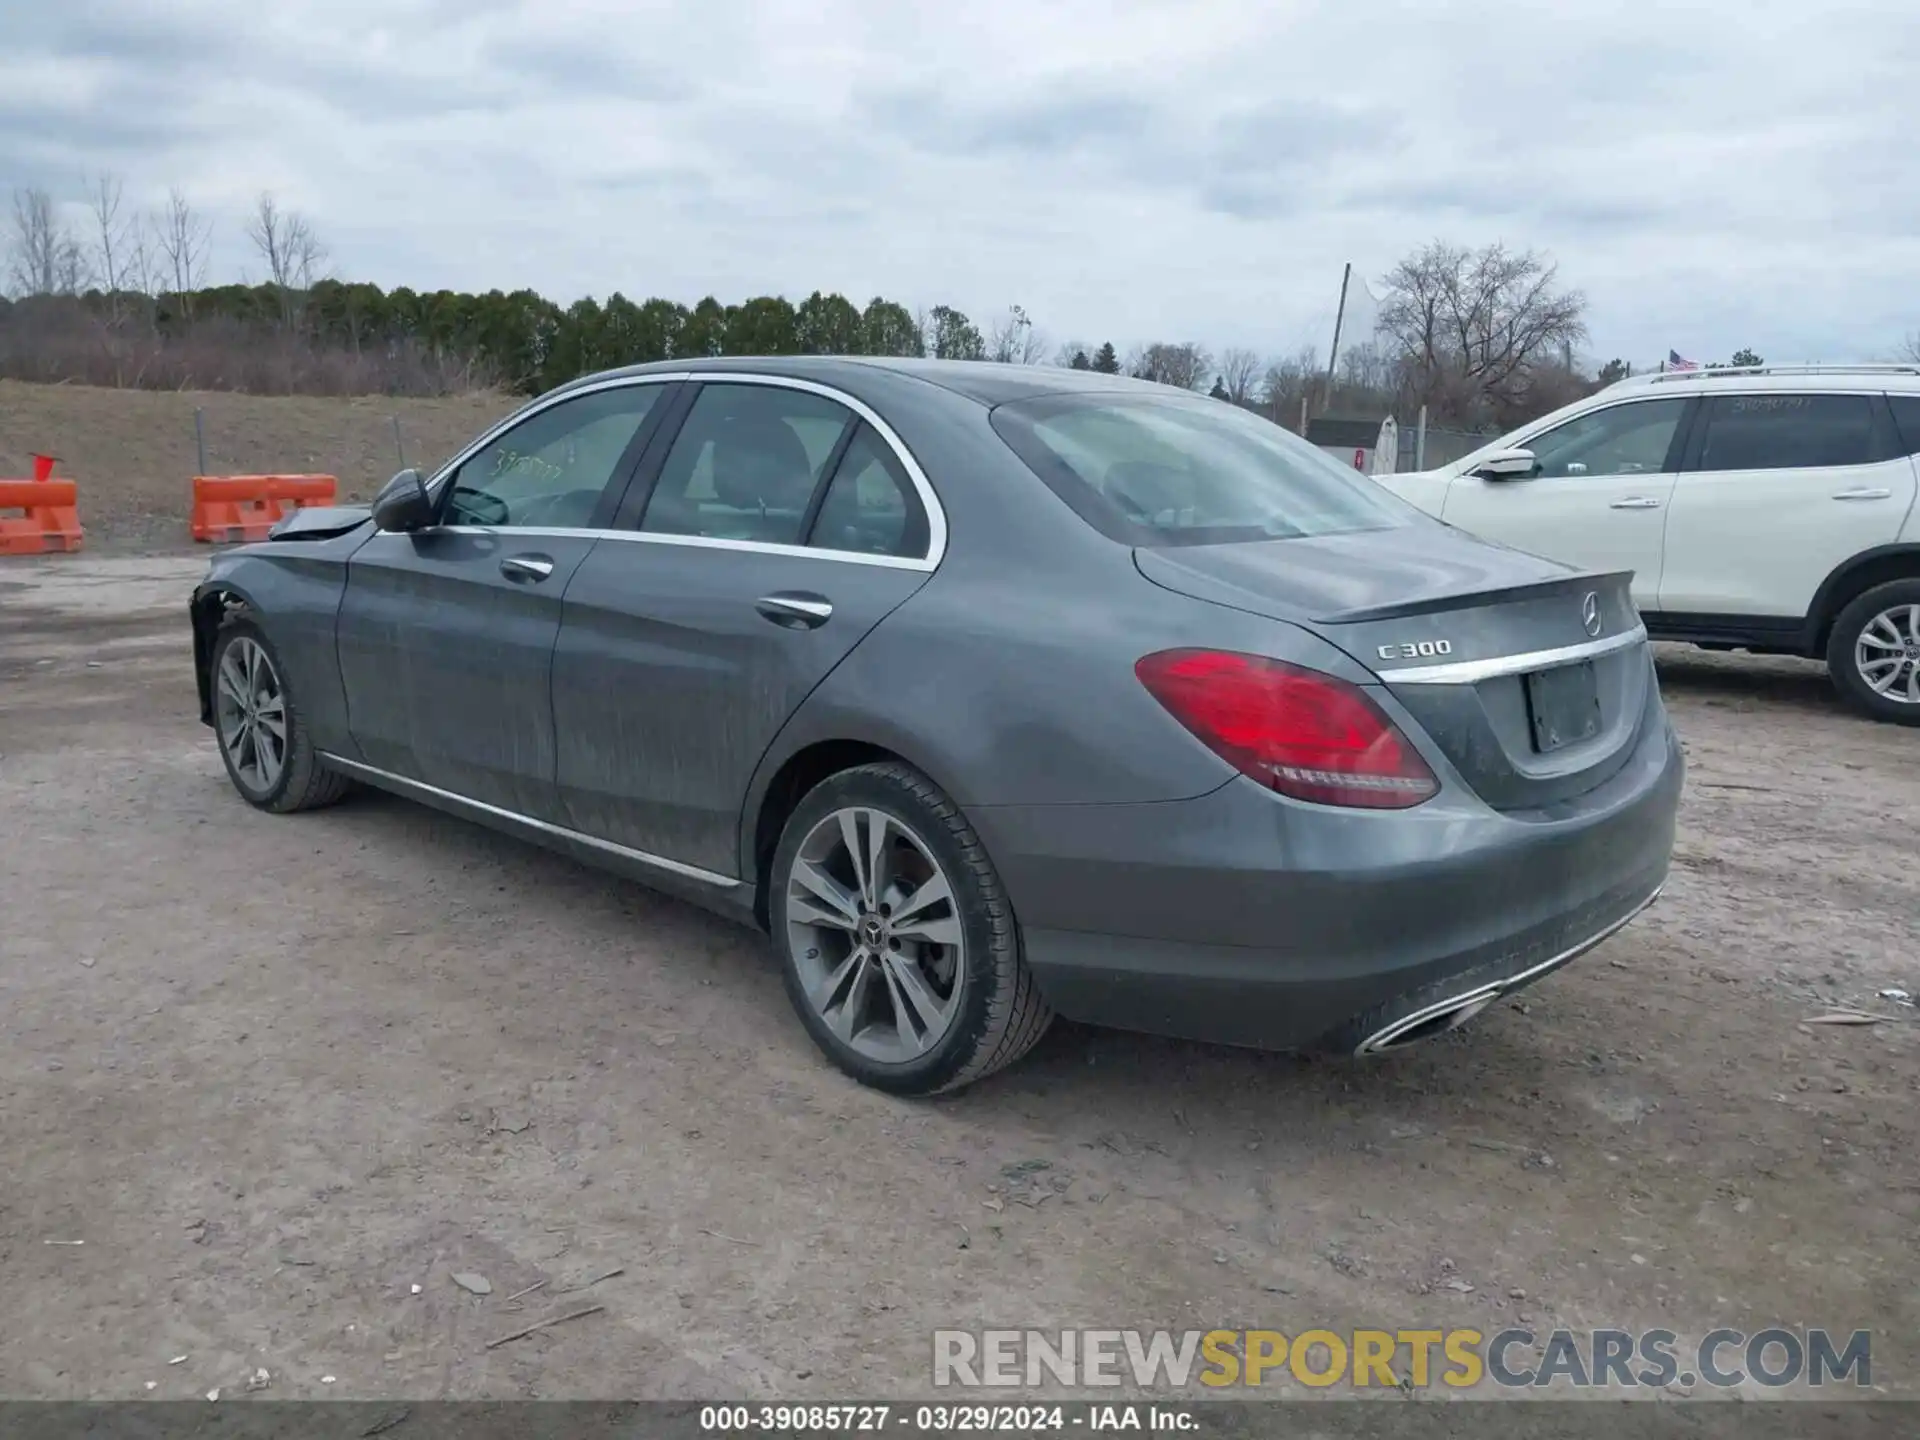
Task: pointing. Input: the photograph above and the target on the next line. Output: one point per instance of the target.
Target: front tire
(1873, 653)
(256, 718)
(897, 942)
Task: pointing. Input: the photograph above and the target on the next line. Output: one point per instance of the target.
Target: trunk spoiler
(1465, 599)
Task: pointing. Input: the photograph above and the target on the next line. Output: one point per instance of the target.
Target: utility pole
(1339, 318)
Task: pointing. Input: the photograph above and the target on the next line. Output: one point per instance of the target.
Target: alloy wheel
(875, 934)
(1887, 654)
(250, 710)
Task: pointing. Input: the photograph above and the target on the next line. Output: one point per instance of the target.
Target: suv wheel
(1873, 653)
(898, 944)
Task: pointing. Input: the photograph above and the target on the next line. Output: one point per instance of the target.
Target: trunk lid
(1531, 693)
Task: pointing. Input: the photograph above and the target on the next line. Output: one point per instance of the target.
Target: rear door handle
(796, 611)
(1863, 493)
(526, 567)
(1637, 502)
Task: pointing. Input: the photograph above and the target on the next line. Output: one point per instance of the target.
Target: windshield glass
(1148, 471)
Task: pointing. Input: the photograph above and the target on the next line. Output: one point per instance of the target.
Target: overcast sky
(1712, 175)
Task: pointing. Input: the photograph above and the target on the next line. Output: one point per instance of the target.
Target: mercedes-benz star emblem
(1590, 613)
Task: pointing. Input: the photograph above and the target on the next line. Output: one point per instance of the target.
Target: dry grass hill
(132, 451)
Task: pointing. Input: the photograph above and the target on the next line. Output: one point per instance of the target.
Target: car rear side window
(1150, 471)
(1906, 418)
(1787, 432)
(870, 506)
(746, 463)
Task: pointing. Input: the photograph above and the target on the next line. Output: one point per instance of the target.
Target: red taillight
(1304, 734)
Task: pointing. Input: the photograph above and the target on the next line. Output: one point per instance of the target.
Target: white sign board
(1386, 451)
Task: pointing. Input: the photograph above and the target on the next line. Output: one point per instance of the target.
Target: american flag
(1674, 362)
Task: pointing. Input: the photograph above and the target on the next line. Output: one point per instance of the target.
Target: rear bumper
(1244, 918)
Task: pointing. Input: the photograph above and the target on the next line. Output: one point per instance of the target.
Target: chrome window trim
(701, 542)
(929, 498)
(1472, 672)
(403, 785)
(539, 405)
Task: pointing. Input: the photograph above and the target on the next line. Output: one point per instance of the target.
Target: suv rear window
(1156, 472)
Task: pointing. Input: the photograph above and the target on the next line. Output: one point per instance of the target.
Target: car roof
(1842, 377)
(985, 381)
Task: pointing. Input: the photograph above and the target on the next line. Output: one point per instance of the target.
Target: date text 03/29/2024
(945, 1419)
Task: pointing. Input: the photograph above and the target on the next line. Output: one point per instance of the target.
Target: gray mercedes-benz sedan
(990, 692)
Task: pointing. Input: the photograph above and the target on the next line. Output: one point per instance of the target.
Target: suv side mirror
(1507, 465)
(403, 503)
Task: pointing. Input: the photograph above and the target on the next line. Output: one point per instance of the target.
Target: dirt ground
(280, 1074)
(133, 455)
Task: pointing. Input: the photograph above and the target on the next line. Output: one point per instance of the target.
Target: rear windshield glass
(1148, 471)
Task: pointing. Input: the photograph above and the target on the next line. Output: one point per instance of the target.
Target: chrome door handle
(796, 612)
(526, 567)
(1636, 502)
(1863, 493)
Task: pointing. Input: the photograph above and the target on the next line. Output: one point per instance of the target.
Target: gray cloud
(1711, 177)
(1047, 128)
(576, 66)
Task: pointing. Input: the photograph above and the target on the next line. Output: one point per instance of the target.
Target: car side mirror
(1507, 465)
(403, 503)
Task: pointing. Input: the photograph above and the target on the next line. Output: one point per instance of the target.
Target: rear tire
(909, 994)
(1876, 638)
(257, 721)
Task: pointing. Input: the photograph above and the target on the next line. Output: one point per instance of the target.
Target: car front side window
(1630, 439)
(551, 470)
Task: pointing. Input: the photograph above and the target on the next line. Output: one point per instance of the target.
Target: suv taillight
(1296, 730)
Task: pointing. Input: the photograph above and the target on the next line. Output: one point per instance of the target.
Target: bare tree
(183, 237)
(1287, 382)
(1910, 348)
(144, 272)
(1239, 375)
(111, 240)
(1366, 367)
(1186, 366)
(292, 251)
(1014, 341)
(287, 243)
(1472, 328)
(43, 255)
(142, 269)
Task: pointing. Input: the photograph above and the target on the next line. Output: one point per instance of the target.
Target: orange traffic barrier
(50, 522)
(233, 508)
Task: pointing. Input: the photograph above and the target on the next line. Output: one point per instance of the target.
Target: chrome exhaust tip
(1456, 1010)
(1428, 1021)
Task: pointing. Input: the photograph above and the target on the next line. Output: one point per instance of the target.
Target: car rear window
(1154, 472)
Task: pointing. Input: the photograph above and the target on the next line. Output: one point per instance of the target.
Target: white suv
(1767, 508)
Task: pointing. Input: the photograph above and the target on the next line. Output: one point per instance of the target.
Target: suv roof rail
(1666, 377)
